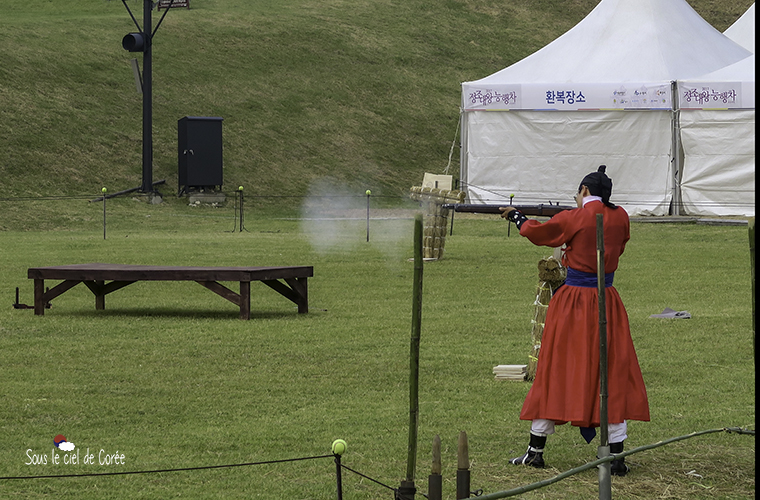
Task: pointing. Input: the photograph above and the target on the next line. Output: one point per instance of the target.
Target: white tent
(602, 93)
(743, 30)
(717, 126)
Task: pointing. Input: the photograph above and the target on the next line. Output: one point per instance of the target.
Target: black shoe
(618, 467)
(531, 457)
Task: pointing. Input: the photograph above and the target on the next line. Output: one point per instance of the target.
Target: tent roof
(742, 71)
(628, 40)
(743, 30)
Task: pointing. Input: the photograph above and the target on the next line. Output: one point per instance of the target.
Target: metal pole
(130, 190)
(675, 161)
(240, 190)
(147, 159)
(104, 190)
(605, 483)
(338, 477)
(369, 193)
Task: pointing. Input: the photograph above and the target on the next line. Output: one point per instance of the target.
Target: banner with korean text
(567, 96)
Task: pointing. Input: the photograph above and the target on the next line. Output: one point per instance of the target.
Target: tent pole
(676, 157)
(463, 185)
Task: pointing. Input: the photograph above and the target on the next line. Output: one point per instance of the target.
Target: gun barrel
(547, 210)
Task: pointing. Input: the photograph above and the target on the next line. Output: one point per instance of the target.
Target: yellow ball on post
(338, 447)
(368, 192)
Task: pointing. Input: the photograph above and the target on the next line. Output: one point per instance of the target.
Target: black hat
(599, 184)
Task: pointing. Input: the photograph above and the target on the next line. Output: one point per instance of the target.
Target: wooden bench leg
(301, 297)
(245, 300)
(303, 293)
(100, 296)
(39, 300)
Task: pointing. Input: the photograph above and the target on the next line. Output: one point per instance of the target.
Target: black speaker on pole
(134, 42)
(199, 153)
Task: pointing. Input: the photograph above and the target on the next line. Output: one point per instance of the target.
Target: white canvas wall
(541, 154)
(719, 162)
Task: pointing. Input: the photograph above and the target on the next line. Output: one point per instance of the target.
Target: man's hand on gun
(513, 214)
(505, 211)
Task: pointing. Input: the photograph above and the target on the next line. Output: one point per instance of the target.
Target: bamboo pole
(407, 486)
(605, 482)
(752, 266)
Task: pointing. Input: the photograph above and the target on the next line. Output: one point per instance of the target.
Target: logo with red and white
(61, 443)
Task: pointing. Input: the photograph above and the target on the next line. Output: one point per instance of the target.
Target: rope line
(498, 198)
(47, 198)
(595, 463)
(490, 496)
(125, 473)
(502, 196)
(453, 143)
(234, 193)
(367, 477)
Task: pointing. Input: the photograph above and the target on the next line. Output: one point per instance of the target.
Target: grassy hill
(365, 93)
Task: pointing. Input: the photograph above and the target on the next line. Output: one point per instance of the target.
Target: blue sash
(586, 280)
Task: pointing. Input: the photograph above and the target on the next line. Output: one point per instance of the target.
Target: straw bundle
(551, 275)
(436, 217)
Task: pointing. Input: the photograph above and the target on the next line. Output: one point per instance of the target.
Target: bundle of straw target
(436, 217)
(551, 275)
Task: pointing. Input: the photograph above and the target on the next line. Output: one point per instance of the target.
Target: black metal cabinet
(199, 152)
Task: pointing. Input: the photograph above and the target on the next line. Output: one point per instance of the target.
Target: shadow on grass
(164, 312)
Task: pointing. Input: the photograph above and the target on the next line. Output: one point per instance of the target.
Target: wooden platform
(102, 279)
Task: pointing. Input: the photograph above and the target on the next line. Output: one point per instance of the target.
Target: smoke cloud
(334, 220)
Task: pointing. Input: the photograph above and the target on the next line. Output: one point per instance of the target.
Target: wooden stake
(435, 480)
(463, 467)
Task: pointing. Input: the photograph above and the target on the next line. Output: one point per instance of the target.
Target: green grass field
(170, 378)
(319, 97)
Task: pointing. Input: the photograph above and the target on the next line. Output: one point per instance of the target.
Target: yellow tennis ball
(368, 192)
(339, 447)
(103, 190)
(240, 188)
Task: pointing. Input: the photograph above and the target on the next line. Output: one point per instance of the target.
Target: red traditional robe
(566, 387)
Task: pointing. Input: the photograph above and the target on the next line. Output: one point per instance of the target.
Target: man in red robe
(566, 386)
